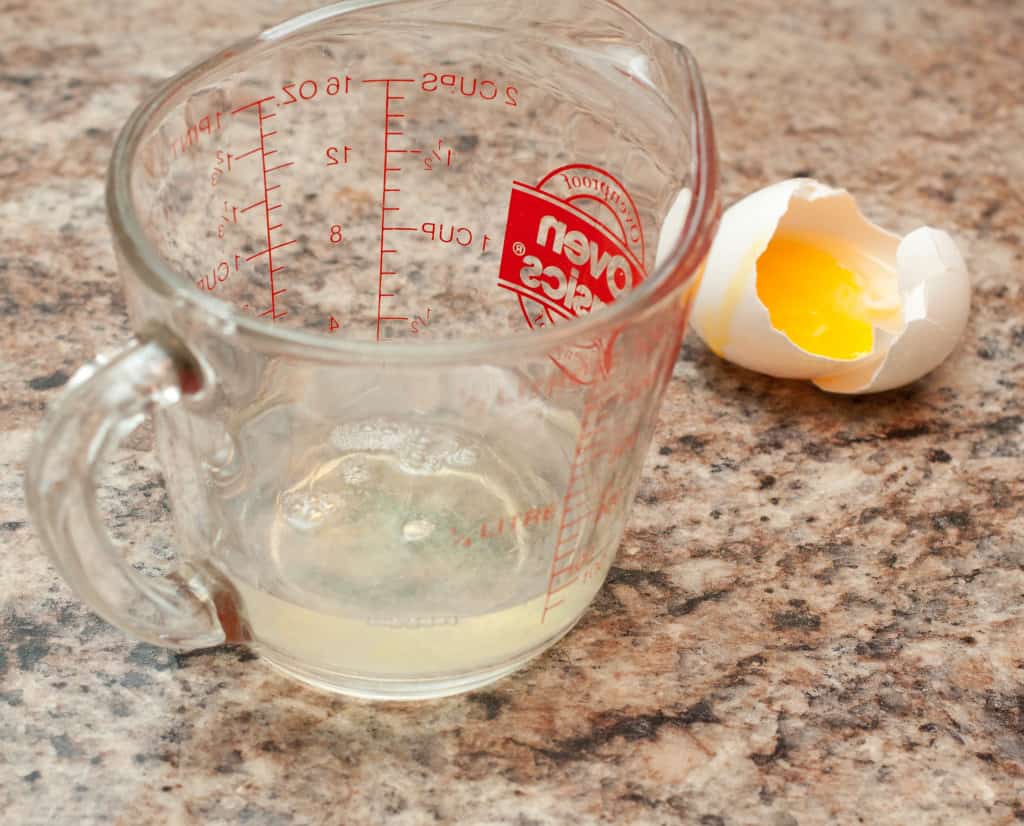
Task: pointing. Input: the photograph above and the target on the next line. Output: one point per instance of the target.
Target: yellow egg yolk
(815, 302)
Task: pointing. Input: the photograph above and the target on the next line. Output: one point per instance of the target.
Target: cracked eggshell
(936, 294)
(924, 274)
(729, 316)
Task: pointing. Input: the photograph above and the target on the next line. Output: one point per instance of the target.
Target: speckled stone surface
(815, 616)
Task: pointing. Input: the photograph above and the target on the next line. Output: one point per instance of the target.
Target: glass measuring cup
(408, 280)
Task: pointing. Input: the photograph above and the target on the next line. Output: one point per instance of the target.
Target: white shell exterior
(926, 265)
(936, 294)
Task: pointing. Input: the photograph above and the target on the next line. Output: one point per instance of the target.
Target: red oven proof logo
(573, 243)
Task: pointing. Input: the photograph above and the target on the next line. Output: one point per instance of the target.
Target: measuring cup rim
(664, 281)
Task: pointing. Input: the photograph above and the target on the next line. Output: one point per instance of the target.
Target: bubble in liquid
(355, 473)
(307, 510)
(416, 530)
(463, 457)
(419, 462)
(421, 448)
(375, 434)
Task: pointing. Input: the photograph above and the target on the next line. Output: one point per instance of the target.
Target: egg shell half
(936, 292)
(729, 316)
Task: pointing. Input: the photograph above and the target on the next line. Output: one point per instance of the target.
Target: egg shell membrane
(935, 286)
(730, 316)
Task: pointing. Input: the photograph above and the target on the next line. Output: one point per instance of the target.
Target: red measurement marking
(269, 251)
(249, 105)
(385, 189)
(208, 124)
(469, 87)
(574, 512)
(247, 154)
(264, 153)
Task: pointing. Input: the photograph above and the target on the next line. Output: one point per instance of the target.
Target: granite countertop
(815, 616)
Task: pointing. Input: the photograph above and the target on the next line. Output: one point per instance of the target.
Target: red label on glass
(561, 261)
(573, 243)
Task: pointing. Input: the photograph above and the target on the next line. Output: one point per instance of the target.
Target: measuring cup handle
(103, 403)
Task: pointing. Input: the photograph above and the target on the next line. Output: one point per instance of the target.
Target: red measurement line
(259, 102)
(281, 166)
(247, 154)
(270, 250)
(253, 205)
(383, 209)
(568, 532)
(567, 584)
(272, 270)
(385, 189)
(275, 206)
(570, 538)
(576, 521)
(405, 151)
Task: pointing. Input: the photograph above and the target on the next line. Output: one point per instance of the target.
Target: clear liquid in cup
(412, 546)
